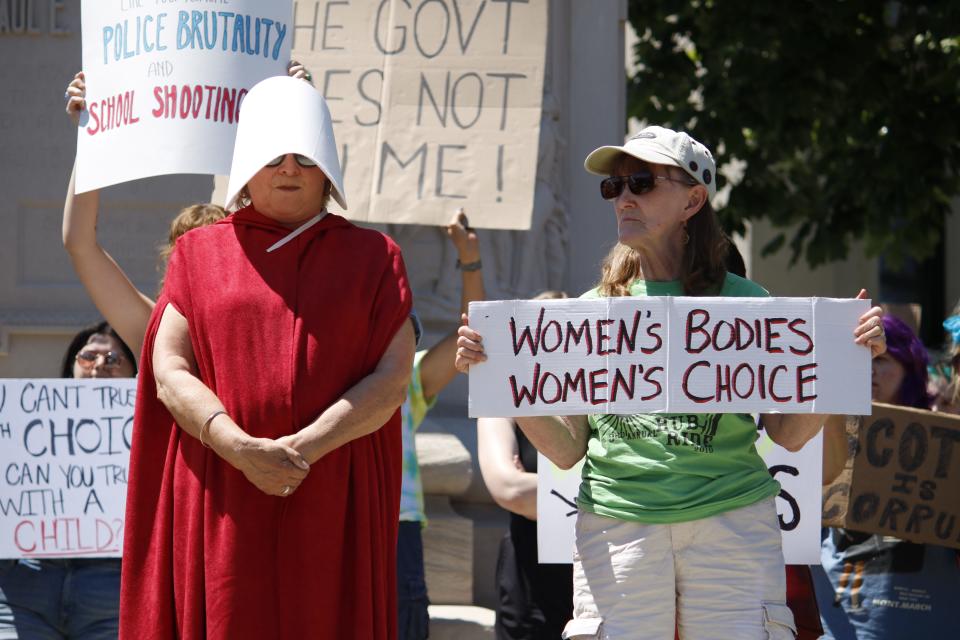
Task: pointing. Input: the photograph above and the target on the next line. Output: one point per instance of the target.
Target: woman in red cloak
(265, 466)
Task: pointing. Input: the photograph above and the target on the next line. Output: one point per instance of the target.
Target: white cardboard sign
(436, 104)
(798, 505)
(64, 453)
(669, 354)
(800, 502)
(165, 80)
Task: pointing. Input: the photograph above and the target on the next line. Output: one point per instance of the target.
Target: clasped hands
(273, 466)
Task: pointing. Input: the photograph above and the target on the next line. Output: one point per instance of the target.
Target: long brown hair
(702, 267)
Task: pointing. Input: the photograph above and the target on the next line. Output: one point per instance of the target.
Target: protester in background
(947, 372)
(432, 371)
(669, 534)
(82, 358)
(74, 598)
(266, 458)
(535, 600)
(870, 586)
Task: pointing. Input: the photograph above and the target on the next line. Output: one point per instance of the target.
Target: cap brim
(603, 160)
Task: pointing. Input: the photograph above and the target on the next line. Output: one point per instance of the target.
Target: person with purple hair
(900, 375)
(873, 586)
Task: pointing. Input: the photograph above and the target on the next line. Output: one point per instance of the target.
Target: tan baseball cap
(659, 145)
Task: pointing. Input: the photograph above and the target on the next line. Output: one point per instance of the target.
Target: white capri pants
(718, 577)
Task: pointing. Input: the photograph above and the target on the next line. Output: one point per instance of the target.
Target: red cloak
(278, 337)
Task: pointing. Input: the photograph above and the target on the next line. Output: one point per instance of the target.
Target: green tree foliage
(847, 113)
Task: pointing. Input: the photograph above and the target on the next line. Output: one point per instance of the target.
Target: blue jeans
(414, 621)
(56, 599)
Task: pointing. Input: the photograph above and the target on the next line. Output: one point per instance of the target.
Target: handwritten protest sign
(800, 474)
(798, 505)
(434, 102)
(64, 451)
(902, 479)
(663, 354)
(165, 81)
(557, 491)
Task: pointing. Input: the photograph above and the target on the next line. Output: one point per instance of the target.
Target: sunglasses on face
(88, 359)
(639, 183)
(303, 161)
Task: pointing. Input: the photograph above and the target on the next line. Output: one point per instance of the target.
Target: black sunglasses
(639, 183)
(303, 161)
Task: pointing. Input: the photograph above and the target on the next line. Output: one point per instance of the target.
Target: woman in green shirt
(677, 524)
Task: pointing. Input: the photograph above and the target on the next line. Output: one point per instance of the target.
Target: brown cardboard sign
(436, 104)
(903, 478)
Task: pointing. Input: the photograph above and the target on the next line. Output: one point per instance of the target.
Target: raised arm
(275, 468)
(437, 366)
(122, 305)
(511, 486)
(365, 407)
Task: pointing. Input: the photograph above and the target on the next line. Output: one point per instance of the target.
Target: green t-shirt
(660, 468)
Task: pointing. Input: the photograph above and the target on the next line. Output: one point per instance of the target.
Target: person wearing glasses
(71, 597)
(98, 352)
(870, 585)
(670, 536)
(266, 456)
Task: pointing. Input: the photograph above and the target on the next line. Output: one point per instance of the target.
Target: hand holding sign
(469, 346)
(298, 71)
(869, 331)
(76, 96)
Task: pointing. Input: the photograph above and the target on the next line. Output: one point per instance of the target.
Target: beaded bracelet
(469, 266)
